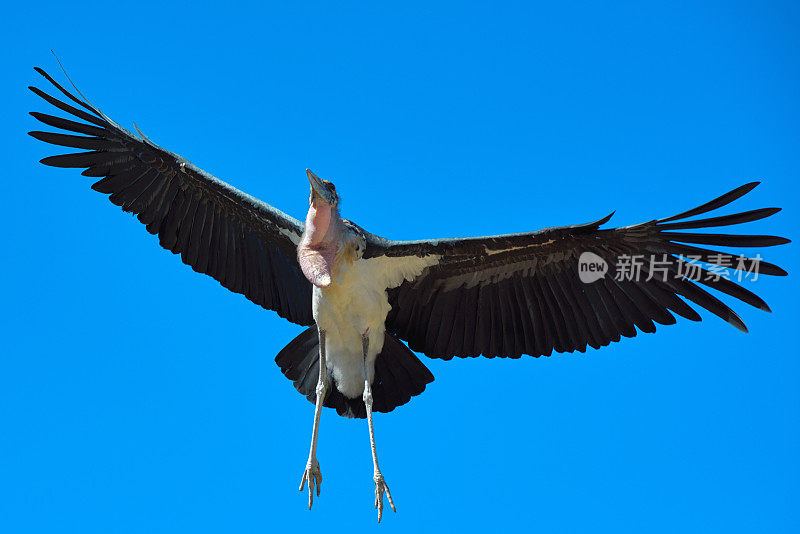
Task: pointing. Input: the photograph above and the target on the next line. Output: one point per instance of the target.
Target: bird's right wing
(245, 244)
(517, 294)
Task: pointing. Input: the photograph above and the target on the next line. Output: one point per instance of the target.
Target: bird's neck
(320, 244)
(318, 223)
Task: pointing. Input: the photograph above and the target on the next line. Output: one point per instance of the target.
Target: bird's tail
(399, 375)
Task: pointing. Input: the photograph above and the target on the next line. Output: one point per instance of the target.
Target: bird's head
(322, 191)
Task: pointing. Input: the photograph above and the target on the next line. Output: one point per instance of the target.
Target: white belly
(354, 303)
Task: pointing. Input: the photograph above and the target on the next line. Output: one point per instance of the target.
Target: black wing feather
(247, 245)
(521, 294)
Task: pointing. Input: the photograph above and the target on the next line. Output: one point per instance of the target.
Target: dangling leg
(380, 483)
(312, 473)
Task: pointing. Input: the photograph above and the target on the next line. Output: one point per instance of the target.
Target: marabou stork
(362, 295)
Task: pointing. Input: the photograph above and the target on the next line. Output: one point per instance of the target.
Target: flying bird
(361, 296)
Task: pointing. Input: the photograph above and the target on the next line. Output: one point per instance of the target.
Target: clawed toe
(380, 488)
(313, 475)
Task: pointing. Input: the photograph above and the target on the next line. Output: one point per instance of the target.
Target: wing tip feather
(740, 326)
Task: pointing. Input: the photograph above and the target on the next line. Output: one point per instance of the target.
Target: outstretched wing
(522, 293)
(247, 245)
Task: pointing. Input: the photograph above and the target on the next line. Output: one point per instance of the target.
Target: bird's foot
(313, 475)
(380, 487)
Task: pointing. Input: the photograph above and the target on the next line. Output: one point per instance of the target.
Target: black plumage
(194, 214)
(561, 313)
(399, 375)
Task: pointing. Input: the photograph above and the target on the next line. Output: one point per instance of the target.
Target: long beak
(318, 187)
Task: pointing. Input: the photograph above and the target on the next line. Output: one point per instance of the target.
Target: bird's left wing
(245, 244)
(520, 294)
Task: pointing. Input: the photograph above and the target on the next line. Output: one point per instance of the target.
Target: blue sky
(139, 396)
